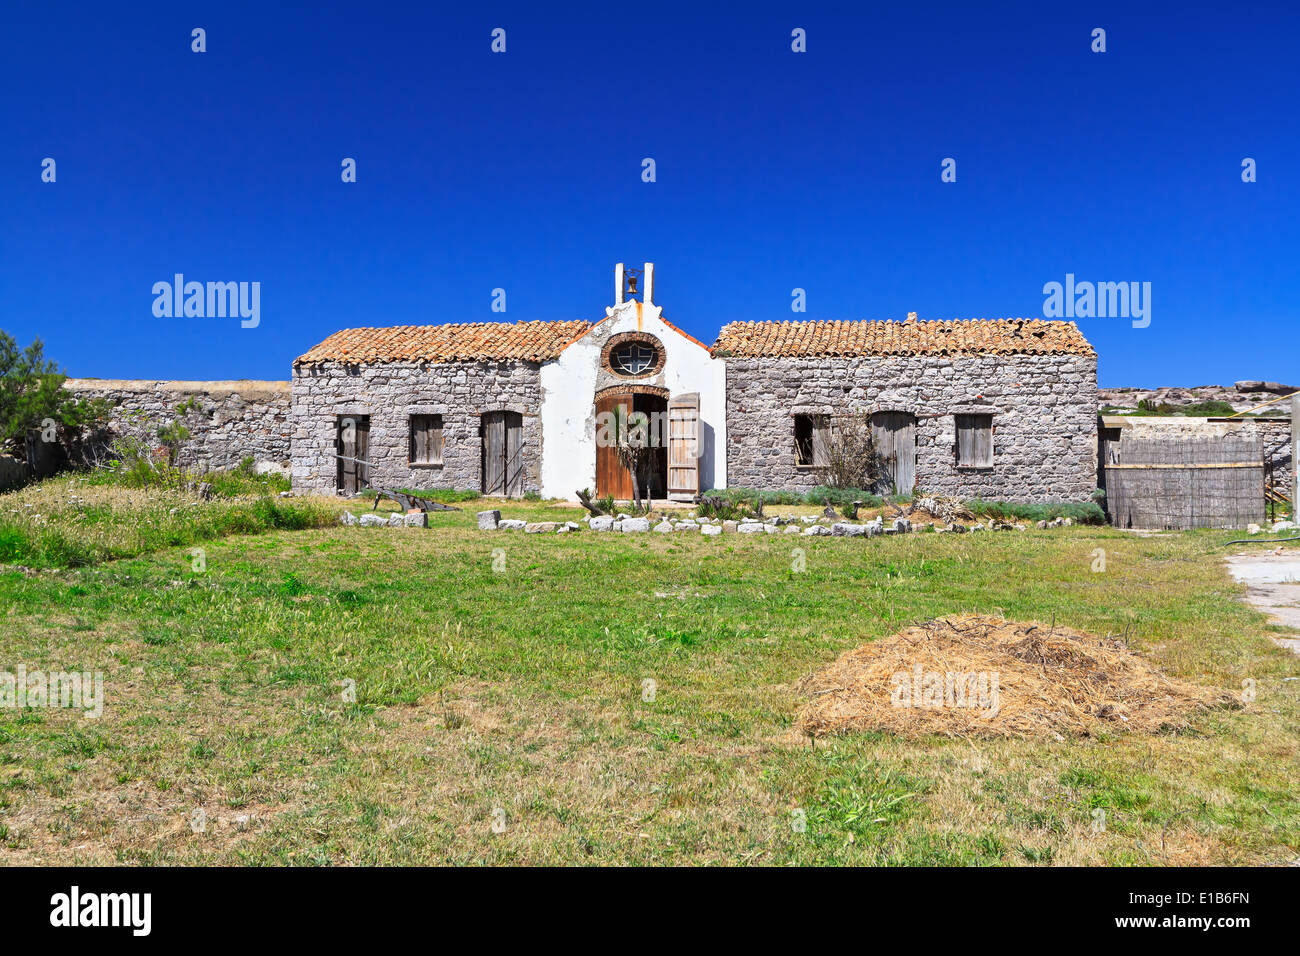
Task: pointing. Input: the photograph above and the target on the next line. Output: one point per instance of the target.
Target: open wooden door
(352, 446)
(612, 479)
(894, 435)
(683, 447)
(503, 464)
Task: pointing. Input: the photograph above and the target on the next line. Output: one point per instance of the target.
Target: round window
(634, 358)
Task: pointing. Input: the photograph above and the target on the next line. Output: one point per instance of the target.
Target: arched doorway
(612, 478)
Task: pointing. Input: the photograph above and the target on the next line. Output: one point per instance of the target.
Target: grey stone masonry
(1277, 451)
(1044, 418)
(235, 419)
(461, 392)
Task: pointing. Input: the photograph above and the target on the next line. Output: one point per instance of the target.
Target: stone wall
(389, 393)
(235, 419)
(1045, 418)
(1276, 435)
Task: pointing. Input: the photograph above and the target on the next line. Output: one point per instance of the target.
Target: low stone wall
(235, 419)
(1044, 417)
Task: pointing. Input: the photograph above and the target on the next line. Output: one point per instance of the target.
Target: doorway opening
(612, 478)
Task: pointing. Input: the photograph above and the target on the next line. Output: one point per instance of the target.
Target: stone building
(997, 409)
(511, 408)
(1001, 409)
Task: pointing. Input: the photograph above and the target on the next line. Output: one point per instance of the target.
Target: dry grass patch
(972, 675)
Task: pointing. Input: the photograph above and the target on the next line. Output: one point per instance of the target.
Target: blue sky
(522, 170)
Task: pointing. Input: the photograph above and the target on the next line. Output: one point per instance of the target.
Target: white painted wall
(568, 400)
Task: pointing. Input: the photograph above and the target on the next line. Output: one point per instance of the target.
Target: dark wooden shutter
(426, 440)
(683, 447)
(975, 441)
(821, 440)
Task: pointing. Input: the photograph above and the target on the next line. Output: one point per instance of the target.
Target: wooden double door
(351, 452)
(503, 459)
(673, 434)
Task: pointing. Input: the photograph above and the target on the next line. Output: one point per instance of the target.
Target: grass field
(500, 712)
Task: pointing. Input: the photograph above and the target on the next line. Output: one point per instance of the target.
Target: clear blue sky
(775, 170)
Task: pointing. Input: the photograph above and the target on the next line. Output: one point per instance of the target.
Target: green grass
(507, 672)
(75, 522)
(446, 496)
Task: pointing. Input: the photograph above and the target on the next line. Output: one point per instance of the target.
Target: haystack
(972, 675)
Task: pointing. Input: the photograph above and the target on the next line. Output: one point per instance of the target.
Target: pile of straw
(972, 675)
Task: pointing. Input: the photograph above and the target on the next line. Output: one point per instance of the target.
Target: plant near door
(852, 459)
(632, 443)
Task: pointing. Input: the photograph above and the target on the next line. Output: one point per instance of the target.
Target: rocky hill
(1195, 400)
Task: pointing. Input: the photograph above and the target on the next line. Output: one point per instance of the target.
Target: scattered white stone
(347, 518)
(372, 520)
(571, 526)
(634, 524)
(843, 529)
(511, 524)
(540, 527)
(418, 520)
(711, 529)
(816, 530)
(602, 523)
(396, 520)
(488, 520)
(664, 527)
(792, 529)
(1283, 526)
(752, 527)
(1253, 528)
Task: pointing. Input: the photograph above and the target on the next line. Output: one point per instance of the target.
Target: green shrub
(839, 497)
(1082, 512)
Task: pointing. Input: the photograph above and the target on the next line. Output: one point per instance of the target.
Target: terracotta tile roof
(464, 342)
(950, 337)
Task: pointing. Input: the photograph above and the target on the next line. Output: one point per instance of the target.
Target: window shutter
(435, 440)
(821, 440)
(426, 440)
(975, 441)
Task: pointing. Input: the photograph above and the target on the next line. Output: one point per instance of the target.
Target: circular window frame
(633, 338)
